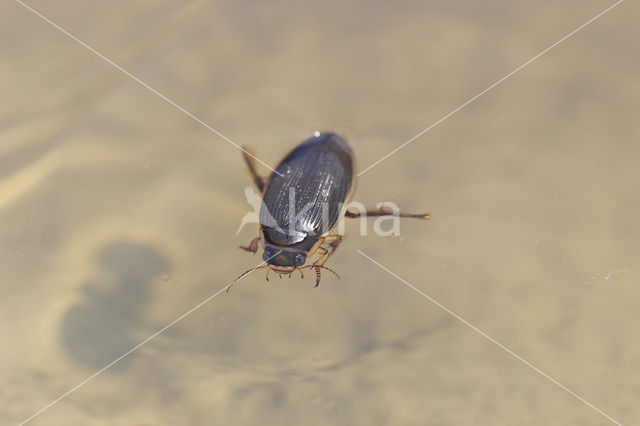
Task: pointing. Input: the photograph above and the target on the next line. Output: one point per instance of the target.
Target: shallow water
(119, 214)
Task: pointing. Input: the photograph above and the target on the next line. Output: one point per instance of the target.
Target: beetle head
(283, 262)
(280, 259)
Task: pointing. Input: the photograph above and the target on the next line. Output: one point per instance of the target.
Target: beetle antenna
(328, 269)
(245, 273)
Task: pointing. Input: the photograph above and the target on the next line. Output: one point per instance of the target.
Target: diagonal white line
(500, 345)
(492, 86)
(142, 83)
(136, 347)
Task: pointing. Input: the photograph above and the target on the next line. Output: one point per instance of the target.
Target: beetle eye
(300, 259)
(268, 253)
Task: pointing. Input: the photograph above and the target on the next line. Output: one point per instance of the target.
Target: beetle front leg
(253, 245)
(333, 241)
(324, 253)
(250, 160)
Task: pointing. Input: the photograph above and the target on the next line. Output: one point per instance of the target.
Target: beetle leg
(267, 277)
(317, 276)
(251, 165)
(317, 268)
(301, 273)
(325, 255)
(318, 263)
(253, 245)
(382, 212)
(333, 241)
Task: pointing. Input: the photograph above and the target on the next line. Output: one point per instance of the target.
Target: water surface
(119, 213)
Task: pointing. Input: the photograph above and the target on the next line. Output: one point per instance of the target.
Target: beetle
(302, 202)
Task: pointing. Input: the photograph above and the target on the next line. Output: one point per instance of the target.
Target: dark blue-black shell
(319, 174)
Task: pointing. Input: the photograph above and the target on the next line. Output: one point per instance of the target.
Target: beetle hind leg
(383, 212)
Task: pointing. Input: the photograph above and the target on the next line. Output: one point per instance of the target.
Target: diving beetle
(302, 202)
